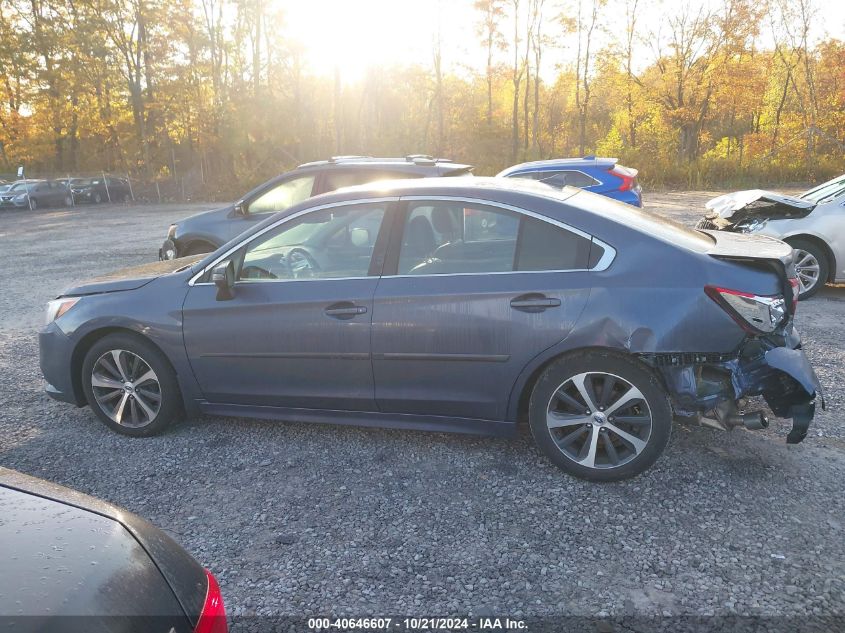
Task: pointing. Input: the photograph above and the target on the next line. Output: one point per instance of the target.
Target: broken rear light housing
(756, 314)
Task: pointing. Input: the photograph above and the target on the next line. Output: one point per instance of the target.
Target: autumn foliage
(220, 91)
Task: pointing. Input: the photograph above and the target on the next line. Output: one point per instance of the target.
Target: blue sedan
(599, 175)
(454, 304)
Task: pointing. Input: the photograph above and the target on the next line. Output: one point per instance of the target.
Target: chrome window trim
(193, 280)
(602, 265)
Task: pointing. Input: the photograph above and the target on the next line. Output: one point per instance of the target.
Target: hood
(757, 203)
(132, 278)
(203, 217)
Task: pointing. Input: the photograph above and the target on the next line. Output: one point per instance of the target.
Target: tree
(492, 13)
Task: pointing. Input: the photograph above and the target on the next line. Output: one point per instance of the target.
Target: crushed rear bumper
(710, 387)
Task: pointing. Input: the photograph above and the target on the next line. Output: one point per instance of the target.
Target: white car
(813, 223)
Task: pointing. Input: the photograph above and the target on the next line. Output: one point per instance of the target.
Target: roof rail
(335, 159)
(426, 158)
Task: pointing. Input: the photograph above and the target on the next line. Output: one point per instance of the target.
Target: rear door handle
(344, 310)
(534, 303)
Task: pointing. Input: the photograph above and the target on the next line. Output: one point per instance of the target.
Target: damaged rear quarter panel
(658, 308)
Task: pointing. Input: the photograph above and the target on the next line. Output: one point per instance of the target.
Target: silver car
(813, 223)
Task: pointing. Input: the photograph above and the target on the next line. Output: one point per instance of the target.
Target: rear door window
(458, 238)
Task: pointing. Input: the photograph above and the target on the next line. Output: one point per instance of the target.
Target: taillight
(213, 616)
(628, 176)
(756, 314)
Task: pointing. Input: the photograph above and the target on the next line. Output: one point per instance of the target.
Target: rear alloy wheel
(811, 267)
(33, 204)
(97, 198)
(130, 385)
(599, 416)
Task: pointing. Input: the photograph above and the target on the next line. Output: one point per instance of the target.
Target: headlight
(751, 226)
(171, 232)
(57, 307)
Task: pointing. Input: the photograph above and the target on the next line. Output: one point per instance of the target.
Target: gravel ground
(306, 519)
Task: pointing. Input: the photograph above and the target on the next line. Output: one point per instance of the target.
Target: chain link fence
(37, 188)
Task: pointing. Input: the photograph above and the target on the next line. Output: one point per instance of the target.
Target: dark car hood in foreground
(131, 278)
(756, 203)
(65, 553)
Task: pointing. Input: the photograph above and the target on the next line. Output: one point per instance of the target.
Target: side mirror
(240, 208)
(224, 278)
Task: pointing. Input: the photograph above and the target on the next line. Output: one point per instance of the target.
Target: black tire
(33, 204)
(622, 370)
(68, 201)
(97, 198)
(824, 265)
(170, 406)
(127, 198)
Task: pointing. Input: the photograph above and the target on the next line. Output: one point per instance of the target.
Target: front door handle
(344, 310)
(534, 302)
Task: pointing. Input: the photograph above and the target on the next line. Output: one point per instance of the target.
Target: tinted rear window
(543, 246)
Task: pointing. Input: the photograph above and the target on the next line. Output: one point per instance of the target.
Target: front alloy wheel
(600, 416)
(126, 388)
(131, 385)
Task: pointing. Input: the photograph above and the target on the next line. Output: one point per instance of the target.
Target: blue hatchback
(599, 175)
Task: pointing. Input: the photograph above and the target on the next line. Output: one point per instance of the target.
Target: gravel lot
(308, 519)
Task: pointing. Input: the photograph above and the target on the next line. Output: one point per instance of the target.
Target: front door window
(331, 243)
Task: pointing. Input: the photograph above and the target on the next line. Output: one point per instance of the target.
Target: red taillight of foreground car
(213, 616)
(756, 314)
(628, 176)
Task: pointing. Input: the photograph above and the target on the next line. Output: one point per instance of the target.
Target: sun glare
(350, 37)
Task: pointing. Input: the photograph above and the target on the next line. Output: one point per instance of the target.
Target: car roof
(558, 163)
(493, 189)
(412, 163)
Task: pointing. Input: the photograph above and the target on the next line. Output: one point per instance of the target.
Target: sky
(352, 35)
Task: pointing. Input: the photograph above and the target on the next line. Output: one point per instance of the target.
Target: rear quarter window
(544, 246)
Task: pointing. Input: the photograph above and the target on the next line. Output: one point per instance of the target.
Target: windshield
(81, 182)
(827, 191)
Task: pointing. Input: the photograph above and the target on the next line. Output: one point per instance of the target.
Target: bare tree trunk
(338, 112)
(538, 56)
(631, 15)
(517, 80)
